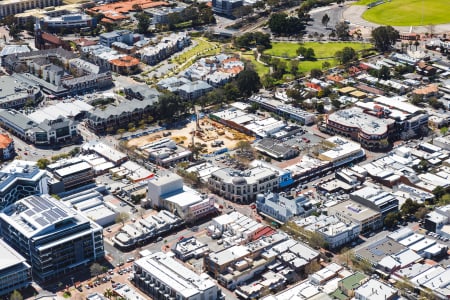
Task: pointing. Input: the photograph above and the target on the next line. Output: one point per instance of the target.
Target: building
(226, 7)
(48, 132)
(367, 218)
(72, 173)
(194, 90)
(15, 272)
(160, 274)
(12, 7)
(334, 231)
(280, 208)
(374, 290)
(145, 230)
(347, 286)
(31, 15)
(123, 36)
(169, 192)
(274, 149)
(342, 151)
(54, 239)
(125, 65)
(165, 48)
(189, 248)
(113, 117)
(7, 150)
(369, 130)
(140, 91)
(20, 179)
(243, 186)
(165, 152)
(68, 22)
(16, 93)
(377, 199)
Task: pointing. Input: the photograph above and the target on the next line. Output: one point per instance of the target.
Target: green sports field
(322, 50)
(408, 12)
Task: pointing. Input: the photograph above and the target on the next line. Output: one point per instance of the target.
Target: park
(407, 12)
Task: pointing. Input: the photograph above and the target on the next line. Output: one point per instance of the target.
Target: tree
(410, 207)
(391, 219)
(143, 22)
(243, 145)
(42, 163)
(421, 213)
(108, 293)
(312, 267)
(342, 30)
(307, 53)
(347, 255)
(316, 73)
(320, 107)
(281, 23)
(96, 269)
(325, 20)
(326, 65)
(16, 295)
(384, 73)
(346, 55)
(444, 130)
(169, 106)
(316, 240)
(248, 82)
(122, 218)
(384, 37)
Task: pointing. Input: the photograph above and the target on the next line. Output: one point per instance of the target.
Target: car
(253, 206)
(108, 229)
(80, 288)
(181, 238)
(25, 153)
(86, 286)
(119, 264)
(130, 259)
(159, 239)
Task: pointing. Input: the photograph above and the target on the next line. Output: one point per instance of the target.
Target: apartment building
(68, 21)
(15, 272)
(16, 93)
(54, 239)
(160, 276)
(123, 36)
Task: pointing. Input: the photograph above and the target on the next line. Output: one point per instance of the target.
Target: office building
(279, 208)
(20, 179)
(243, 186)
(169, 192)
(161, 276)
(226, 7)
(12, 7)
(15, 272)
(371, 131)
(53, 238)
(377, 199)
(374, 290)
(68, 22)
(72, 173)
(367, 218)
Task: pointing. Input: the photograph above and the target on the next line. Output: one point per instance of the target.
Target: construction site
(211, 135)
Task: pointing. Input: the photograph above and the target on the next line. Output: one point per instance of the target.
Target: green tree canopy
(248, 82)
(384, 37)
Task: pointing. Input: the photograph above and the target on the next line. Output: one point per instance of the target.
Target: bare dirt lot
(215, 135)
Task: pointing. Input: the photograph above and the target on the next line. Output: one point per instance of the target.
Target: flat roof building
(367, 218)
(159, 272)
(53, 238)
(377, 199)
(15, 272)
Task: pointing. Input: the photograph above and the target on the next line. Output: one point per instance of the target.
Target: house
(194, 90)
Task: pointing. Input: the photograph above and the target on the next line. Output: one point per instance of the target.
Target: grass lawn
(203, 47)
(322, 50)
(259, 67)
(364, 2)
(306, 66)
(409, 12)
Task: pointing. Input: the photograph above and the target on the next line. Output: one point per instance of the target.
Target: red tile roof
(5, 140)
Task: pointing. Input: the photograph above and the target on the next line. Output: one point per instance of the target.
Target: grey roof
(12, 87)
(13, 49)
(195, 86)
(126, 106)
(18, 119)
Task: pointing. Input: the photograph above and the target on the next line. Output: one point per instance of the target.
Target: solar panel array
(44, 211)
